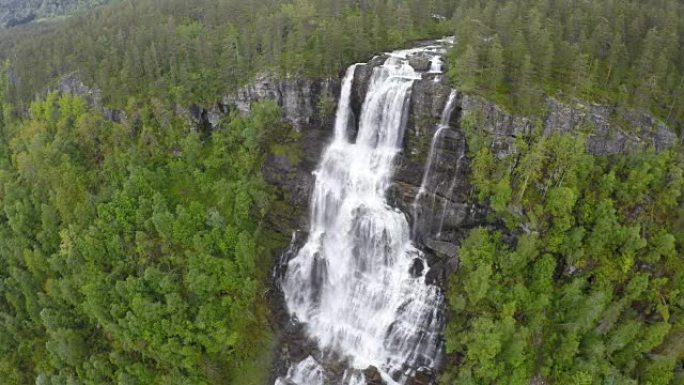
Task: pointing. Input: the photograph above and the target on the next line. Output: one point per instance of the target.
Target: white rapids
(354, 284)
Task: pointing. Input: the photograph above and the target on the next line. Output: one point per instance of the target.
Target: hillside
(212, 192)
(17, 12)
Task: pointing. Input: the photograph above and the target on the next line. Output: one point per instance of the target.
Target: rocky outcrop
(609, 130)
(298, 98)
(295, 154)
(17, 12)
(373, 376)
(420, 62)
(72, 84)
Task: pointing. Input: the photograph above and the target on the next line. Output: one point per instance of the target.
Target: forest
(621, 53)
(578, 276)
(136, 252)
(183, 52)
(624, 53)
(132, 254)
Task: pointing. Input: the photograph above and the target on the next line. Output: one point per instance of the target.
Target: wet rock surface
(373, 376)
(424, 376)
(420, 61)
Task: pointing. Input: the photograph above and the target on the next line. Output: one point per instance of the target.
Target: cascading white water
(358, 283)
(343, 116)
(436, 65)
(442, 127)
(448, 109)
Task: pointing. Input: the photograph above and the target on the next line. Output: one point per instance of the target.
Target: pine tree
(467, 69)
(495, 70)
(645, 76)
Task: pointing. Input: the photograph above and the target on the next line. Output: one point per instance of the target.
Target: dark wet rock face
(423, 377)
(373, 376)
(420, 62)
(442, 209)
(417, 267)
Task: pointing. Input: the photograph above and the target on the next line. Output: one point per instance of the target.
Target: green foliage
(132, 254)
(586, 288)
(625, 53)
(196, 52)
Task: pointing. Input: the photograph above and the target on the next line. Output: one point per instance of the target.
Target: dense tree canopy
(577, 278)
(132, 253)
(196, 51)
(624, 53)
(17, 12)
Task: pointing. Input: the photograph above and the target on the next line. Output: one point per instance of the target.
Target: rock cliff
(290, 164)
(300, 99)
(17, 12)
(444, 213)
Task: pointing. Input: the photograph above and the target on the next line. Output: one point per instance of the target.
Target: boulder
(420, 61)
(444, 250)
(423, 376)
(298, 98)
(373, 376)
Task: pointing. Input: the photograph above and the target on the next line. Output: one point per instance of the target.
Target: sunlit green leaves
(581, 290)
(135, 258)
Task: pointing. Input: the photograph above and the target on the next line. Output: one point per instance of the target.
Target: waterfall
(435, 65)
(442, 127)
(358, 282)
(448, 109)
(343, 116)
